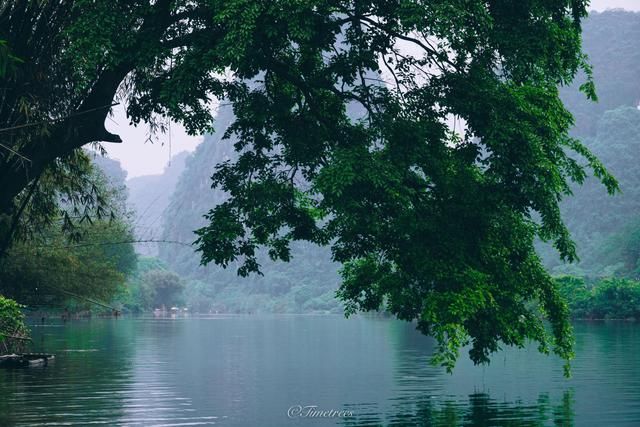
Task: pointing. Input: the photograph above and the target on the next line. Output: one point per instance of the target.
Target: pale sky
(138, 157)
(601, 5)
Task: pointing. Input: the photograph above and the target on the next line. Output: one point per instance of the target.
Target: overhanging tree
(71, 60)
(342, 111)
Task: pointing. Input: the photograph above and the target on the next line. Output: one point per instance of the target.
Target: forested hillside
(604, 226)
(610, 41)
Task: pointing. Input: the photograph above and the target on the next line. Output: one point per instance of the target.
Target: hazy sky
(143, 158)
(601, 5)
(139, 156)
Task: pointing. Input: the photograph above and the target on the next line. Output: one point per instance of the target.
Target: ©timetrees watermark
(313, 411)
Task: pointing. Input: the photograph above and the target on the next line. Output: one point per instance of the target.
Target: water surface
(250, 370)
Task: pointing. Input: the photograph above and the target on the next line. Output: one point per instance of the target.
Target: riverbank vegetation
(598, 299)
(72, 243)
(52, 270)
(151, 285)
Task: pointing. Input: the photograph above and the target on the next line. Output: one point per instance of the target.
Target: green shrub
(12, 327)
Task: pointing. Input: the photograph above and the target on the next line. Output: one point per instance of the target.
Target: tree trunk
(83, 126)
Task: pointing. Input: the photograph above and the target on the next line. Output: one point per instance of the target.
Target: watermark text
(313, 411)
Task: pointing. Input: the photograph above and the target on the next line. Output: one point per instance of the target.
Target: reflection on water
(249, 370)
(478, 410)
(425, 396)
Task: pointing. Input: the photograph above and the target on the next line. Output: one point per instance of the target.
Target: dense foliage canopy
(342, 123)
(433, 222)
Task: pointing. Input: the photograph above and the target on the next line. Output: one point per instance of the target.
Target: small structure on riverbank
(14, 341)
(24, 360)
(14, 338)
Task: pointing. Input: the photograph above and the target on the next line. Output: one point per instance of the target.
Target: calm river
(253, 370)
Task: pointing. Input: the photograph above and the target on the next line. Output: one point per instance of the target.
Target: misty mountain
(111, 168)
(149, 196)
(610, 41)
(307, 283)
